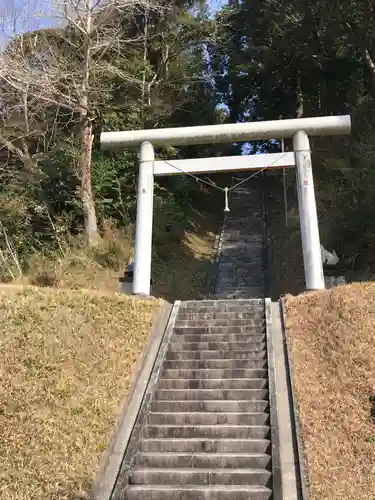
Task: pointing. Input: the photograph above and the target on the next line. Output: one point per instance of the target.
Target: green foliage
(158, 78)
(170, 221)
(275, 60)
(114, 184)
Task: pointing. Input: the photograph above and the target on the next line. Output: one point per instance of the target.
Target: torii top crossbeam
(227, 133)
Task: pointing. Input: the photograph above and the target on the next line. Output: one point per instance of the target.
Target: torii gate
(299, 129)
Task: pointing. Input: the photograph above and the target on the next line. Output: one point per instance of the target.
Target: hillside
(66, 364)
(331, 336)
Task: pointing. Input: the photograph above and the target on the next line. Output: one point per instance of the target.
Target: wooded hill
(141, 64)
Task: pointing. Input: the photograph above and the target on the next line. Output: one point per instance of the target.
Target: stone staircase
(241, 260)
(205, 431)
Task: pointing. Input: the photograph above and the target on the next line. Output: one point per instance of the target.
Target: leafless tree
(61, 69)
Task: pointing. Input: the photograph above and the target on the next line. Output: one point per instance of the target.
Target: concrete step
(207, 418)
(207, 431)
(240, 282)
(195, 477)
(210, 394)
(252, 225)
(246, 248)
(252, 275)
(216, 363)
(228, 383)
(214, 302)
(204, 460)
(236, 260)
(214, 373)
(164, 492)
(255, 240)
(239, 278)
(216, 346)
(219, 338)
(231, 306)
(255, 320)
(227, 306)
(246, 406)
(237, 288)
(242, 235)
(241, 266)
(249, 274)
(244, 221)
(253, 221)
(215, 354)
(241, 291)
(247, 291)
(202, 316)
(248, 328)
(199, 445)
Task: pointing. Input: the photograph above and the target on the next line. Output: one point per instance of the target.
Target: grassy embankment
(332, 340)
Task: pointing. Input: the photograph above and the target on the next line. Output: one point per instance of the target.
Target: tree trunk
(371, 66)
(86, 138)
(299, 100)
(89, 212)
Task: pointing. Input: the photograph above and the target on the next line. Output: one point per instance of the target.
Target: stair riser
(208, 432)
(241, 383)
(219, 316)
(213, 461)
(243, 275)
(241, 280)
(242, 237)
(213, 304)
(239, 253)
(183, 493)
(208, 419)
(205, 446)
(202, 355)
(210, 406)
(253, 321)
(237, 279)
(196, 477)
(210, 394)
(214, 374)
(221, 330)
(225, 307)
(227, 292)
(240, 292)
(217, 338)
(216, 363)
(243, 289)
(231, 245)
(218, 346)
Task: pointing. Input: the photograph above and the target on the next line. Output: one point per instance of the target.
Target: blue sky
(19, 16)
(216, 4)
(33, 14)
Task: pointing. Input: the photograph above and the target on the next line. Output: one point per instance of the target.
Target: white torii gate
(299, 129)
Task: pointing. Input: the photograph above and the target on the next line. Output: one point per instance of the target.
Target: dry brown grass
(332, 339)
(66, 362)
(183, 275)
(179, 267)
